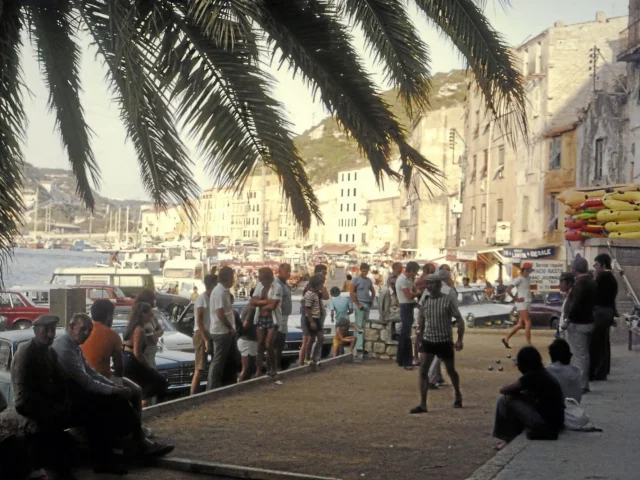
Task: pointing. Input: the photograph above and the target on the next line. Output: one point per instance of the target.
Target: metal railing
(629, 38)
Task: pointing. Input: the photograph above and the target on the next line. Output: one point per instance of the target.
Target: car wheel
(285, 363)
(555, 322)
(22, 325)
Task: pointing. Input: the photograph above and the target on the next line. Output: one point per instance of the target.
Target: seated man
(534, 403)
(104, 346)
(99, 406)
(568, 376)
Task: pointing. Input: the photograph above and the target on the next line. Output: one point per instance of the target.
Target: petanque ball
(497, 361)
(508, 355)
(490, 369)
(500, 368)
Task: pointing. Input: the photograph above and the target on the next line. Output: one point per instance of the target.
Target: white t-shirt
(202, 302)
(524, 291)
(221, 298)
(275, 293)
(401, 283)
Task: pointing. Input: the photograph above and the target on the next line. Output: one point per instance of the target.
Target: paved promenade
(613, 454)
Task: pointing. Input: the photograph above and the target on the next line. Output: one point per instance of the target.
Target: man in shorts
(307, 342)
(313, 321)
(247, 341)
(523, 302)
(266, 298)
(201, 336)
(435, 327)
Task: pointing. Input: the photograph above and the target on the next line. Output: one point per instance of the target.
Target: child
(341, 308)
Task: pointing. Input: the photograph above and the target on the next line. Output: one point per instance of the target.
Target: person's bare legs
(316, 354)
(425, 364)
(244, 374)
(518, 326)
(271, 351)
(524, 314)
(195, 383)
(262, 337)
(303, 350)
(450, 365)
(352, 343)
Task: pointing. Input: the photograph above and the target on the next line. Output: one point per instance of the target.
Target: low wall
(379, 339)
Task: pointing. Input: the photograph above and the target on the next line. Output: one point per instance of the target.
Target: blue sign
(529, 253)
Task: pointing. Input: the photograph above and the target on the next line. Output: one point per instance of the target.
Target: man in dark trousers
(406, 292)
(604, 314)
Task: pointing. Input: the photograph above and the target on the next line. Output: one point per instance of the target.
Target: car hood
(173, 359)
(176, 341)
(486, 309)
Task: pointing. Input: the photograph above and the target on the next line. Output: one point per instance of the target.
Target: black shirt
(546, 395)
(582, 300)
(607, 289)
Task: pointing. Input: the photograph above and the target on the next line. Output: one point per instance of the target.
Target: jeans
(361, 317)
(222, 347)
(600, 348)
(515, 415)
(404, 357)
(579, 338)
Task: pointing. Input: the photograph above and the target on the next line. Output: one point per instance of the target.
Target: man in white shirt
(405, 290)
(266, 298)
(223, 331)
(201, 331)
(523, 301)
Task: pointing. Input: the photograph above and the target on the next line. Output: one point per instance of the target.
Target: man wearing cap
(523, 301)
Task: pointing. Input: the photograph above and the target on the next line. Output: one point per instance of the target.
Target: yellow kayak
(618, 216)
(622, 227)
(624, 235)
(626, 196)
(575, 196)
(618, 205)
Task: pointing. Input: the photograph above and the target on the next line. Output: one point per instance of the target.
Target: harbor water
(31, 266)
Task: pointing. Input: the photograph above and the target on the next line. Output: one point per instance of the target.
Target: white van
(130, 280)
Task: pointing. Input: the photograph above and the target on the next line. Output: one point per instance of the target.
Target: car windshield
(163, 320)
(471, 298)
(555, 297)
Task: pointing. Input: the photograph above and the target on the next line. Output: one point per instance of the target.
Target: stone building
(510, 189)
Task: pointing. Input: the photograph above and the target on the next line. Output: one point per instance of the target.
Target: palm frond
(164, 163)
(392, 37)
(59, 56)
(12, 129)
(489, 57)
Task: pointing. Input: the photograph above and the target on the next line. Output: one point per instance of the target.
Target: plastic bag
(576, 419)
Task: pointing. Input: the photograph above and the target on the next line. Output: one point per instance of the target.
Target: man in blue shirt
(362, 295)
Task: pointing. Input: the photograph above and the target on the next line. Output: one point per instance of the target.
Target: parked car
(478, 311)
(546, 309)
(177, 367)
(292, 344)
(174, 305)
(130, 280)
(18, 310)
(172, 338)
(39, 294)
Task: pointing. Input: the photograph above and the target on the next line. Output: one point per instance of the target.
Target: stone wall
(379, 339)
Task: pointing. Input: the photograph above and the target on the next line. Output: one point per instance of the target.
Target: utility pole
(107, 223)
(119, 220)
(35, 213)
(262, 213)
(594, 53)
(90, 225)
(126, 238)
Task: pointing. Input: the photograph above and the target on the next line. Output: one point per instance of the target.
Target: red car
(546, 309)
(117, 296)
(19, 311)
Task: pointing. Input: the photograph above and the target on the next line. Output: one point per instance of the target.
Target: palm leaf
(489, 57)
(59, 58)
(12, 129)
(390, 33)
(164, 162)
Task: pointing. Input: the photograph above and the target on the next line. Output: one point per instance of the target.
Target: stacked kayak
(612, 211)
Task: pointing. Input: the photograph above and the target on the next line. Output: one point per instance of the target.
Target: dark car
(174, 305)
(546, 309)
(177, 367)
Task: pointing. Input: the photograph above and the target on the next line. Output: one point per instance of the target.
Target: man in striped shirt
(435, 327)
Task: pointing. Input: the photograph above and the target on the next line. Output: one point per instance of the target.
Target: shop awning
(336, 249)
(384, 249)
(471, 253)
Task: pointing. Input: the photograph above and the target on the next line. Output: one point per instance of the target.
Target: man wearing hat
(41, 395)
(523, 301)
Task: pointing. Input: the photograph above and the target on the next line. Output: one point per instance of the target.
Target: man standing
(435, 327)
(266, 298)
(427, 269)
(362, 296)
(194, 295)
(223, 331)
(501, 291)
(604, 314)
(307, 345)
(286, 305)
(91, 393)
(405, 290)
(523, 301)
(579, 321)
(396, 270)
(201, 331)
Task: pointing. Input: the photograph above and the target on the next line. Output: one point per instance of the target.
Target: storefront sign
(529, 253)
(546, 274)
(461, 256)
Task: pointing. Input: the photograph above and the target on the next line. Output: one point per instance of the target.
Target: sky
(116, 156)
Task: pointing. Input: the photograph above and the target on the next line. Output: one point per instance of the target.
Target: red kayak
(592, 202)
(573, 235)
(572, 223)
(593, 229)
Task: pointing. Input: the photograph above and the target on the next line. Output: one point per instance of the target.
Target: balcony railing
(629, 43)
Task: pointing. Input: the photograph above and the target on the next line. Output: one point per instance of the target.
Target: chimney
(559, 24)
(601, 17)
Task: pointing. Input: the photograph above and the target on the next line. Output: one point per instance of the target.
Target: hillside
(327, 150)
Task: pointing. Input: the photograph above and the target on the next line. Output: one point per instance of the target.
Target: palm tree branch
(59, 57)
(150, 124)
(489, 57)
(391, 34)
(12, 130)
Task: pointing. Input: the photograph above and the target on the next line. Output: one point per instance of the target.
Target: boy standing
(341, 309)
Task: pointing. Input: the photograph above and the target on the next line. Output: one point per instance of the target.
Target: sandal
(499, 446)
(506, 345)
(417, 410)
